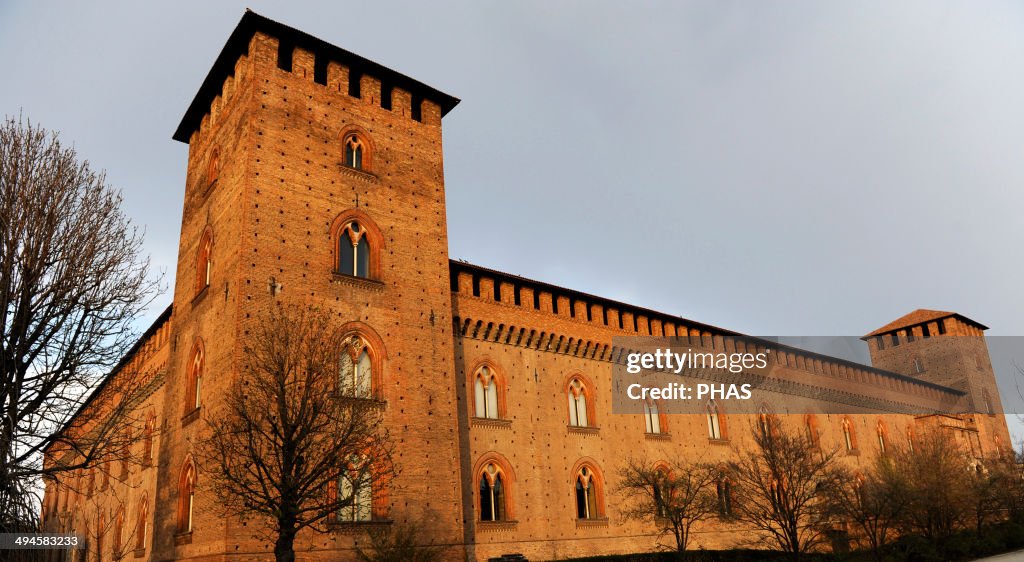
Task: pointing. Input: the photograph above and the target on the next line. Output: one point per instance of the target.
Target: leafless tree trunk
(73, 278)
(875, 502)
(783, 485)
(674, 497)
(939, 475)
(287, 444)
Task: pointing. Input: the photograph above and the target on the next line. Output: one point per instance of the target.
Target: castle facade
(315, 175)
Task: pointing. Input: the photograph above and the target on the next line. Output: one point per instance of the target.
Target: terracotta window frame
(717, 427)
(502, 467)
(655, 420)
(141, 523)
(196, 366)
(340, 227)
(484, 373)
(355, 135)
(204, 261)
(186, 498)
(358, 337)
(587, 476)
(849, 434)
(578, 385)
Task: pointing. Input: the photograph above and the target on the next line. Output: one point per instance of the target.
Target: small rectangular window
(895, 339)
(942, 327)
(880, 342)
(385, 96)
(924, 331)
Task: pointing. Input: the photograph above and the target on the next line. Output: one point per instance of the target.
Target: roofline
(238, 44)
(957, 315)
(456, 265)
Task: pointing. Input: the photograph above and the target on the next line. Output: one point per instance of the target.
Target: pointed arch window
(882, 436)
(355, 489)
(578, 395)
(186, 497)
(764, 421)
(849, 437)
(118, 535)
(356, 368)
(493, 505)
(652, 417)
(354, 251)
(141, 527)
(811, 430)
(715, 427)
(588, 496)
(723, 492)
(487, 389)
(355, 149)
(213, 167)
(204, 261)
(195, 378)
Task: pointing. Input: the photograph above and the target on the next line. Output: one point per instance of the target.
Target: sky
(775, 168)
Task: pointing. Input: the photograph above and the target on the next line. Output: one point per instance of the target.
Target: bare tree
(938, 474)
(875, 502)
(288, 442)
(73, 279)
(783, 486)
(674, 497)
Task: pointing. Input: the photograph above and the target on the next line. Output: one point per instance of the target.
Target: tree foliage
(73, 279)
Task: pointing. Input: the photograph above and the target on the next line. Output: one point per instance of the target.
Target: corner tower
(314, 176)
(949, 349)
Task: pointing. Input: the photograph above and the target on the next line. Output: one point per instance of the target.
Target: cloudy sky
(793, 168)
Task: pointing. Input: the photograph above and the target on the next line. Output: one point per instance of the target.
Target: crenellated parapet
(511, 310)
(259, 41)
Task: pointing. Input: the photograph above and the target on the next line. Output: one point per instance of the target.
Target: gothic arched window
(356, 368)
(140, 523)
(849, 436)
(186, 497)
(579, 395)
(723, 490)
(354, 251)
(204, 261)
(492, 494)
(652, 417)
(355, 492)
(588, 494)
(193, 397)
(715, 426)
(354, 150)
(487, 390)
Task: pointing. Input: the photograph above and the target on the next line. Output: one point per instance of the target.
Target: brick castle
(315, 175)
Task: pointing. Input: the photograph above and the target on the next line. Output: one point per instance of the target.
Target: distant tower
(949, 349)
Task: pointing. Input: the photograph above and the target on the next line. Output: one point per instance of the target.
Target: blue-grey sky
(793, 168)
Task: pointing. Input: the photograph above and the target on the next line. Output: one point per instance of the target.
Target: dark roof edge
(879, 332)
(465, 266)
(238, 44)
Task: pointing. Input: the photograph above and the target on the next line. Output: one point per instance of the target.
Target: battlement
(315, 60)
(503, 289)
